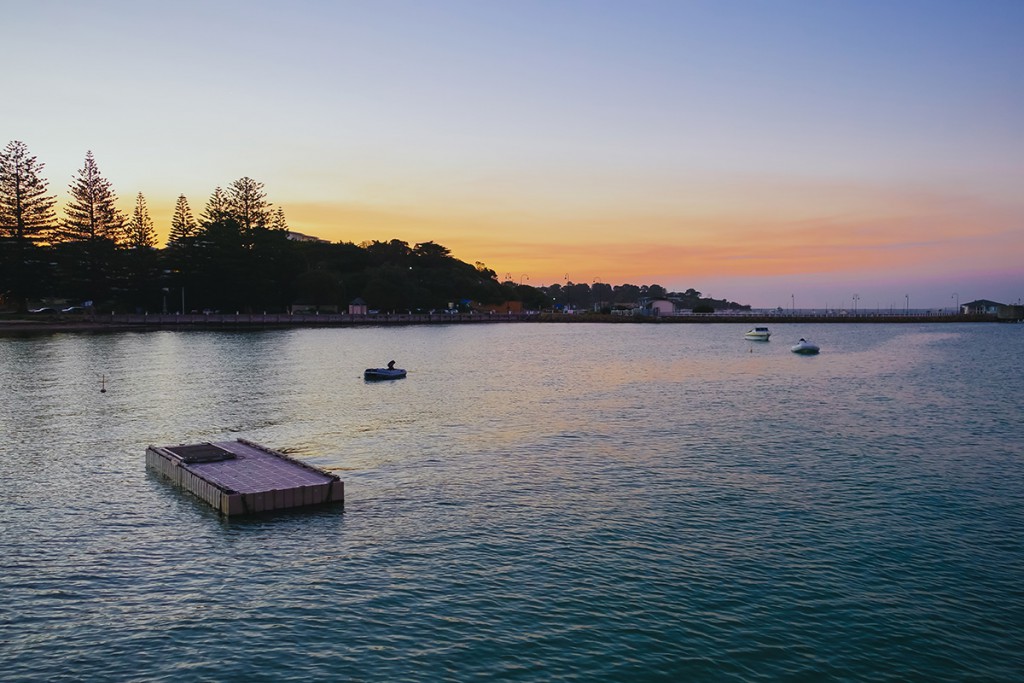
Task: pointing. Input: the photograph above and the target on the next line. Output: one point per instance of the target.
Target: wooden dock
(241, 477)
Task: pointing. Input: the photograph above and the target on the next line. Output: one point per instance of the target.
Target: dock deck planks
(249, 479)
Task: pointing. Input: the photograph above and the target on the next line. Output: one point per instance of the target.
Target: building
(981, 307)
(656, 307)
(357, 307)
(299, 237)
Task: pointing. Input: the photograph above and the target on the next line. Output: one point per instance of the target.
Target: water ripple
(675, 508)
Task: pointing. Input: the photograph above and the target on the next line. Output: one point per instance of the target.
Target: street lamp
(856, 298)
(908, 303)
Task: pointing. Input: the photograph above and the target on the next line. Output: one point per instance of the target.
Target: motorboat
(383, 373)
(804, 348)
(758, 334)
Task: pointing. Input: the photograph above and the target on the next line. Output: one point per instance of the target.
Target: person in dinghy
(390, 372)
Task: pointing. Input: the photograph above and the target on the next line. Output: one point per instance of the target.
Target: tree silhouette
(319, 288)
(247, 204)
(277, 220)
(26, 219)
(654, 291)
(142, 265)
(216, 208)
(140, 231)
(26, 207)
(183, 225)
(237, 256)
(90, 236)
(92, 213)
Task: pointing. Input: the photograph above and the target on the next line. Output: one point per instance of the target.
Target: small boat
(390, 372)
(383, 373)
(757, 334)
(805, 348)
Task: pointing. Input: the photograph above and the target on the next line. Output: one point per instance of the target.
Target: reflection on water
(599, 502)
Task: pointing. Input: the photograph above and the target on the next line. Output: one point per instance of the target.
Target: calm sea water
(534, 503)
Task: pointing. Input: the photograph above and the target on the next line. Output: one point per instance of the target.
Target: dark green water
(534, 503)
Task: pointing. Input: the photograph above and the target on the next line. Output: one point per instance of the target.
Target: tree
(626, 294)
(141, 260)
(603, 293)
(26, 208)
(393, 252)
(429, 252)
(217, 269)
(247, 203)
(578, 295)
(654, 291)
(216, 208)
(277, 220)
(92, 232)
(26, 219)
(183, 225)
(92, 213)
(319, 288)
(532, 298)
(140, 233)
(484, 271)
(181, 247)
(388, 288)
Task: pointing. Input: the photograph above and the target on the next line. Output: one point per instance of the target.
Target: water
(538, 502)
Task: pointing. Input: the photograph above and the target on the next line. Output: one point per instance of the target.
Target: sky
(806, 154)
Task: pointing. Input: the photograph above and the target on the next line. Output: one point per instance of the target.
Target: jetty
(242, 478)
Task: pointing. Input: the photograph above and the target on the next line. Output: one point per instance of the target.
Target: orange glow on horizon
(681, 245)
(640, 249)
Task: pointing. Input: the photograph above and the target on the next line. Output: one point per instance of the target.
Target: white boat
(757, 334)
(383, 373)
(805, 348)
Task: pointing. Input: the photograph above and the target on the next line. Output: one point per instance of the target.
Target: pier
(241, 477)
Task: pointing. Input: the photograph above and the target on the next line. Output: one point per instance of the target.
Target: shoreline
(253, 321)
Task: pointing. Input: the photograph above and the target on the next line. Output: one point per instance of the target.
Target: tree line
(236, 255)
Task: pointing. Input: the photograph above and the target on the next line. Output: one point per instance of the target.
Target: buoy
(103, 384)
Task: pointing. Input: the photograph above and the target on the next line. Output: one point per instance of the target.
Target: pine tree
(183, 225)
(216, 208)
(141, 262)
(248, 204)
(140, 233)
(26, 210)
(87, 244)
(179, 257)
(26, 219)
(92, 215)
(277, 220)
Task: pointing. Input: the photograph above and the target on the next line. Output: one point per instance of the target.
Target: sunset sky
(771, 152)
